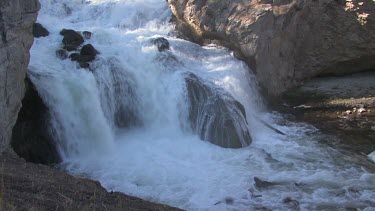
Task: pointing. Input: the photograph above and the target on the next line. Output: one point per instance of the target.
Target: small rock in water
(39, 30)
(261, 184)
(373, 128)
(86, 58)
(86, 35)
(72, 39)
(70, 47)
(61, 54)
(348, 112)
(84, 65)
(289, 200)
(74, 56)
(229, 200)
(89, 50)
(161, 43)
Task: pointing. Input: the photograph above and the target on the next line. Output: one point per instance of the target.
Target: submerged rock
(74, 56)
(161, 43)
(84, 65)
(87, 35)
(215, 115)
(262, 184)
(61, 54)
(39, 30)
(72, 39)
(31, 137)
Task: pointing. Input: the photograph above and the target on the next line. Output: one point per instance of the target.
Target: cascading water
(126, 123)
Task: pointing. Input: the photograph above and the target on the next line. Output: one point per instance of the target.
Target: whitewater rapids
(161, 160)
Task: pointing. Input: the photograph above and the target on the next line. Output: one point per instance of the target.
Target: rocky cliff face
(16, 21)
(286, 42)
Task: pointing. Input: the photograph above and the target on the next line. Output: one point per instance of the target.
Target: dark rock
(74, 56)
(70, 47)
(71, 38)
(62, 54)
(39, 30)
(86, 35)
(161, 43)
(84, 65)
(86, 58)
(31, 139)
(261, 184)
(89, 50)
(215, 115)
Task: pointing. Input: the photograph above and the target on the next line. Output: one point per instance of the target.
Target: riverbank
(343, 106)
(28, 186)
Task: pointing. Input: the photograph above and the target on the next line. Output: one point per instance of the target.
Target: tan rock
(16, 20)
(286, 42)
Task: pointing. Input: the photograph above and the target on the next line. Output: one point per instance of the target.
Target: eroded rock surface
(285, 42)
(215, 115)
(16, 23)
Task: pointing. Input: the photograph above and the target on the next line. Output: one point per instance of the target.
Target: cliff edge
(16, 22)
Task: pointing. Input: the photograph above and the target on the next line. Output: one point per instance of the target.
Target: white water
(160, 160)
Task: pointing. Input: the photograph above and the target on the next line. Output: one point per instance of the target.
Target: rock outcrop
(16, 24)
(32, 138)
(285, 42)
(215, 115)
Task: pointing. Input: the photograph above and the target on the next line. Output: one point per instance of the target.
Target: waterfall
(132, 123)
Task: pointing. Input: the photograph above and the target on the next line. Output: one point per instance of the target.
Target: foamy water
(160, 159)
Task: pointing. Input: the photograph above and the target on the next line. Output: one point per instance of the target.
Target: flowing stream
(157, 156)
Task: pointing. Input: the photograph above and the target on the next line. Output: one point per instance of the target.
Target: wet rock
(215, 115)
(72, 39)
(74, 56)
(290, 201)
(61, 54)
(70, 47)
(86, 35)
(31, 139)
(161, 43)
(262, 184)
(86, 58)
(88, 50)
(39, 30)
(84, 65)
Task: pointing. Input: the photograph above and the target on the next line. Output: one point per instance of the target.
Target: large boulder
(215, 115)
(286, 42)
(16, 23)
(32, 139)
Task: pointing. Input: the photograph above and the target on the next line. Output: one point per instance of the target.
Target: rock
(215, 115)
(89, 50)
(74, 56)
(31, 138)
(361, 110)
(39, 30)
(86, 58)
(72, 39)
(84, 65)
(70, 47)
(161, 43)
(16, 23)
(348, 112)
(261, 184)
(286, 42)
(62, 54)
(86, 35)
(290, 201)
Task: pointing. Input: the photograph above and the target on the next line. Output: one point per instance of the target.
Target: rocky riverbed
(342, 106)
